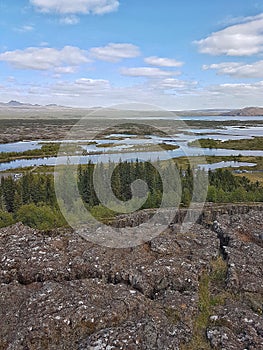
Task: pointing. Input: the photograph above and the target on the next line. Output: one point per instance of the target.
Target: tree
(17, 201)
(8, 190)
(186, 196)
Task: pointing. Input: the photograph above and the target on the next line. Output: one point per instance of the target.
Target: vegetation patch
(106, 145)
(209, 297)
(41, 217)
(6, 219)
(255, 143)
(255, 177)
(168, 147)
(38, 189)
(132, 129)
(47, 150)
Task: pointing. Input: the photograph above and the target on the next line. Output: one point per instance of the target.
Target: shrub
(40, 217)
(101, 212)
(6, 219)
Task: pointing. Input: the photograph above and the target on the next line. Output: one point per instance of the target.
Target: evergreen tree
(17, 201)
(8, 190)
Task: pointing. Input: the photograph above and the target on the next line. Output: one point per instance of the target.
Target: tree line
(32, 199)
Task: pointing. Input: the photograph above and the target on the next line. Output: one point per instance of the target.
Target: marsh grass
(209, 296)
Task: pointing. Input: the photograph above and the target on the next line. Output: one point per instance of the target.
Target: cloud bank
(244, 39)
(115, 52)
(238, 70)
(96, 7)
(46, 58)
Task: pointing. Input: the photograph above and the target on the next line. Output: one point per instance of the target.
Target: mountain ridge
(246, 111)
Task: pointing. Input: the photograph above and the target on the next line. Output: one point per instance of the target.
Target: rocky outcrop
(205, 216)
(202, 289)
(238, 322)
(248, 111)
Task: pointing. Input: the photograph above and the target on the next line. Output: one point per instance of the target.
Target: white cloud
(225, 96)
(45, 58)
(147, 72)
(97, 7)
(81, 86)
(162, 62)
(89, 83)
(238, 70)
(230, 20)
(25, 28)
(65, 70)
(87, 92)
(100, 87)
(44, 43)
(243, 39)
(99, 92)
(69, 20)
(240, 89)
(174, 84)
(11, 79)
(115, 52)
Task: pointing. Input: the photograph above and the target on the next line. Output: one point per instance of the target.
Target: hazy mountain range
(19, 107)
(18, 104)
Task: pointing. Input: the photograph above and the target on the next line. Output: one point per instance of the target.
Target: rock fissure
(62, 292)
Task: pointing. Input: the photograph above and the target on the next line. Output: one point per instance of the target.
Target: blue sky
(175, 54)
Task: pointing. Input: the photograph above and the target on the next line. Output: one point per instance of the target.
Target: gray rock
(59, 291)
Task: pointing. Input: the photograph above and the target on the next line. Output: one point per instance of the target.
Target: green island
(46, 150)
(52, 150)
(255, 143)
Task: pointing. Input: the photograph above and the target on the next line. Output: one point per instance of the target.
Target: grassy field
(253, 177)
(183, 162)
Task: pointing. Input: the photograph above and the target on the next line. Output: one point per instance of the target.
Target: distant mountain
(13, 103)
(18, 104)
(248, 111)
(20, 107)
(202, 112)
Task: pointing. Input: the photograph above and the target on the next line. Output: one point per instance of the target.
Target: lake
(121, 146)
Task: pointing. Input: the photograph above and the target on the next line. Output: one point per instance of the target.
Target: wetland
(232, 142)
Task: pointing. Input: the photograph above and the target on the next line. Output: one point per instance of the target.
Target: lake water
(230, 164)
(223, 118)
(120, 147)
(229, 133)
(21, 146)
(162, 155)
(196, 117)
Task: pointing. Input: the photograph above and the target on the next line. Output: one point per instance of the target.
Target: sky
(174, 54)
